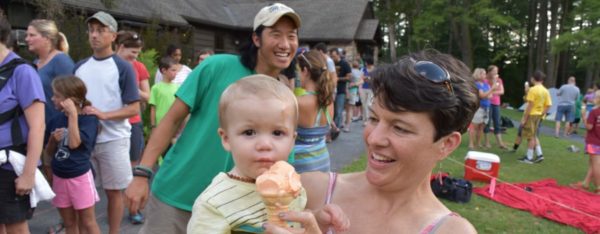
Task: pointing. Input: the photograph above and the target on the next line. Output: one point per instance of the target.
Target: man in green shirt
(198, 155)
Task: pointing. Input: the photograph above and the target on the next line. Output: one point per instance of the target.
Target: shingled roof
(321, 19)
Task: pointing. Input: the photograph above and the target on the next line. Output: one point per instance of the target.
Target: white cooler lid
(482, 156)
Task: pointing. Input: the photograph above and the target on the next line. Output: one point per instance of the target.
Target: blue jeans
(495, 119)
(338, 106)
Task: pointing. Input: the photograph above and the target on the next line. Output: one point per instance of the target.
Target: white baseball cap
(269, 15)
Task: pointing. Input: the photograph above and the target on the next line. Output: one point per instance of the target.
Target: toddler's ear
(224, 139)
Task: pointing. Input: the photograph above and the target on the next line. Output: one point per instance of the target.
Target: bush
(148, 58)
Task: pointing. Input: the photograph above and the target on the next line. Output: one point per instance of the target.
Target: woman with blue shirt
(51, 48)
(481, 117)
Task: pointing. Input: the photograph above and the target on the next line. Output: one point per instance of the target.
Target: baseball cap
(105, 19)
(269, 15)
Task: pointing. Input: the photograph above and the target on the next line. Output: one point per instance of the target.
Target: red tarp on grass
(571, 207)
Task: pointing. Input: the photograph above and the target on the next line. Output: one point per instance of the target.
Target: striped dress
(311, 148)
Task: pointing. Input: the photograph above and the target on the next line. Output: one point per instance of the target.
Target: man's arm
(125, 112)
(138, 189)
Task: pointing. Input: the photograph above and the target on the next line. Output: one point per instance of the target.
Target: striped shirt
(229, 205)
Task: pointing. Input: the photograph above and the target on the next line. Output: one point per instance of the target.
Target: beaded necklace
(239, 178)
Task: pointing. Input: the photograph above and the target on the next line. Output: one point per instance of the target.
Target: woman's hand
(306, 218)
(331, 216)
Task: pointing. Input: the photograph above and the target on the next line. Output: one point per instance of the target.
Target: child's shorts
(592, 149)
(352, 98)
(78, 192)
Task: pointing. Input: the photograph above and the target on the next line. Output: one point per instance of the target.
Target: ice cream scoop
(278, 187)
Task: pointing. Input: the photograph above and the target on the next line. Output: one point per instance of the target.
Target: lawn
(491, 217)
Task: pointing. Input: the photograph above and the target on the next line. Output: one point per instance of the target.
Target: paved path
(347, 148)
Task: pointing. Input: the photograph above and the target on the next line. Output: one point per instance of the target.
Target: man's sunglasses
(434, 73)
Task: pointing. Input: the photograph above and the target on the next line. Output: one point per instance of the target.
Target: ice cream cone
(276, 205)
(278, 187)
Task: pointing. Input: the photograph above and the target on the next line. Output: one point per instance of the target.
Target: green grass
(491, 217)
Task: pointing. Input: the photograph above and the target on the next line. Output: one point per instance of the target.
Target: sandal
(58, 228)
(579, 186)
(136, 219)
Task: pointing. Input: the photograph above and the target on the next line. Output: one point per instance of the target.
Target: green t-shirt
(198, 155)
(162, 97)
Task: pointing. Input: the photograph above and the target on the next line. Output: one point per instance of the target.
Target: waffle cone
(275, 205)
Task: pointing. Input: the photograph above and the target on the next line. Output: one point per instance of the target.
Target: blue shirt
(60, 64)
(70, 163)
(483, 102)
(23, 88)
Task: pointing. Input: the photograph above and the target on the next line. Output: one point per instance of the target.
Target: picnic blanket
(547, 199)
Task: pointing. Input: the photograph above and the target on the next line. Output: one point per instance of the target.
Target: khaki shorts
(162, 218)
(531, 126)
(111, 164)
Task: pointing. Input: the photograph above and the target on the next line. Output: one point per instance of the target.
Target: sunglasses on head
(305, 60)
(434, 73)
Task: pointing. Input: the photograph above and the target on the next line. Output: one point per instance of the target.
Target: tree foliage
(559, 37)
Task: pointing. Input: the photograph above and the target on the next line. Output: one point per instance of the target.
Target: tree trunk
(551, 79)
(391, 34)
(542, 36)
(589, 77)
(531, 37)
(461, 33)
(466, 48)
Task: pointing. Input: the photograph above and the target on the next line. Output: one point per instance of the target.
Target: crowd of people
(572, 108)
(223, 124)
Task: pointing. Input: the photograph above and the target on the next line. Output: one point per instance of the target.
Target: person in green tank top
(198, 155)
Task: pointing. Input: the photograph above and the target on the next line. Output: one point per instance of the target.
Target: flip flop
(579, 186)
(58, 228)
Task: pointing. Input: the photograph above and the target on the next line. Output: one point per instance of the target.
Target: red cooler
(481, 166)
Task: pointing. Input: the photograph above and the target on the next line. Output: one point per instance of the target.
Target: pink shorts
(78, 192)
(592, 149)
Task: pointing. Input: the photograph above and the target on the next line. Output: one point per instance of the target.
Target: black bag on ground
(452, 189)
(506, 122)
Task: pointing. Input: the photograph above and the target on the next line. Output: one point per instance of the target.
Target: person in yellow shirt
(538, 101)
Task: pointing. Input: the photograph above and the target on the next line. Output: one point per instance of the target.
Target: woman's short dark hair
(249, 51)
(5, 30)
(171, 49)
(399, 88)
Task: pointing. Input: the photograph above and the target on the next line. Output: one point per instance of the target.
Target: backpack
(453, 189)
(506, 122)
(6, 72)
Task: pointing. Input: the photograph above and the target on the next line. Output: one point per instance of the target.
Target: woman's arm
(144, 89)
(153, 116)
(34, 115)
